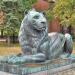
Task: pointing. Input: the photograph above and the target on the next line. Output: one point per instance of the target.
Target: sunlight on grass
(9, 50)
(13, 49)
(74, 48)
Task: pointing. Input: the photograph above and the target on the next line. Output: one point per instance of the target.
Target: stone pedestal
(4, 73)
(45, 68)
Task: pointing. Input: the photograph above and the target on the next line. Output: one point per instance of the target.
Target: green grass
(6, 50)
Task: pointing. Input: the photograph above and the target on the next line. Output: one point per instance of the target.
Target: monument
(35, 40)
(38, 46)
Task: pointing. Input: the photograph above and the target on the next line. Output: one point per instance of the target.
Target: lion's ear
(25, 12)
(43, 13)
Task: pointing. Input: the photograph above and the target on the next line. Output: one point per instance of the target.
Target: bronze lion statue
(37, 44)
(35, 40)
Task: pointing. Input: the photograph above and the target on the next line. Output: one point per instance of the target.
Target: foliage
(25, 5)
(1, 26)
(65, 10)
(14, 13)
(11, 25)
(49, 15)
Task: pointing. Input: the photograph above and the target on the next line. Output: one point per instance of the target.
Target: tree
(25, 5)
(14, 12)
(65, 10)
(12, 20)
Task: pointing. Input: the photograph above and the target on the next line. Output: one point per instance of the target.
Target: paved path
(2, 40)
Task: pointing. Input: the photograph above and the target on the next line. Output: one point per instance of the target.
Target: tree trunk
(13, 38)
(1, 33)
(8, 41)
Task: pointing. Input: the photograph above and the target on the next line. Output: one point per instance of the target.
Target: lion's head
(36, 20)
(33, 30)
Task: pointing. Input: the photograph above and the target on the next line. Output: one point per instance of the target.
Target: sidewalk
(2, 40)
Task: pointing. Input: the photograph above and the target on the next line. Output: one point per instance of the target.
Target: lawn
(14, 49)
(9, 50)
(74, 47)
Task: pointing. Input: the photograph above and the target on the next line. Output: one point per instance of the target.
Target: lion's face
(37, 20)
